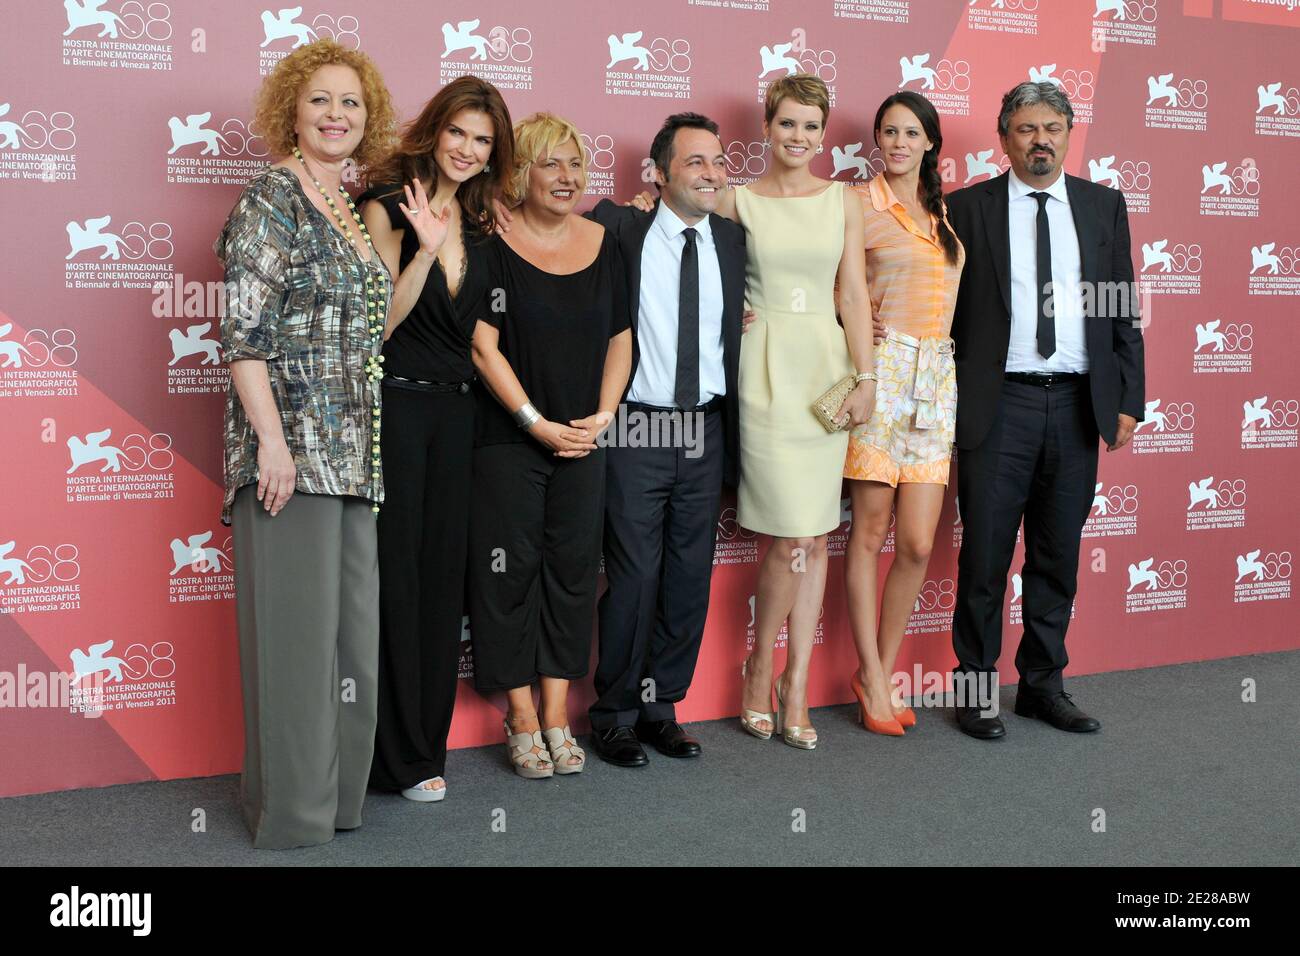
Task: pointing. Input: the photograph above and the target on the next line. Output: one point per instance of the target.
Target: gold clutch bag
(828, 403)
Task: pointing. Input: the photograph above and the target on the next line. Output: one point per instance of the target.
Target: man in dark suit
(1049, 359)
(686, 285)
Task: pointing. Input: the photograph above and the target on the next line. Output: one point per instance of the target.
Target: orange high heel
(907, 718)
(889, 728)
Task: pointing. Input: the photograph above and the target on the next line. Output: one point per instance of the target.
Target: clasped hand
(577, 440)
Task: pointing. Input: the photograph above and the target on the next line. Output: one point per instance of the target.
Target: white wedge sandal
(423, 794)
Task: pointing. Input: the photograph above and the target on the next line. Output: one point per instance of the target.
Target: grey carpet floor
(1185, 772)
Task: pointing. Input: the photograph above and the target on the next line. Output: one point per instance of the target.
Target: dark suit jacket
(630, 226)
(981, 327)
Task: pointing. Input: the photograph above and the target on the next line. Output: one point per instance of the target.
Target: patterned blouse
(913, 287)
(295, 298)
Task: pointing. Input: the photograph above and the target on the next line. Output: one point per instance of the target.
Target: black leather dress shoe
(668, 738)
(619, 746)
(1057, 710)
(982, 728)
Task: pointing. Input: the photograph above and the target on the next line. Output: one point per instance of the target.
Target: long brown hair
(930, 182)
(413, 156)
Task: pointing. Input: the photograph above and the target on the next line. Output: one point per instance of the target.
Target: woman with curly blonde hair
(306, 299)
(277, 108)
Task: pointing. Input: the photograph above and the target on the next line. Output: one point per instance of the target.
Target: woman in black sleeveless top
(553, 348)
(429, 214)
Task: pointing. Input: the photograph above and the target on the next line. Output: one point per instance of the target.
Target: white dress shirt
(1067, 299)
(661, 276)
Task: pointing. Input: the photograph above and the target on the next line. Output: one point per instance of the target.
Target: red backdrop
(124, 140)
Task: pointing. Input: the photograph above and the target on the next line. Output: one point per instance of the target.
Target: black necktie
(686, 390)
(1046, 323)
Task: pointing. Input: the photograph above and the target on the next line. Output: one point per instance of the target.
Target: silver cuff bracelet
(526, 416)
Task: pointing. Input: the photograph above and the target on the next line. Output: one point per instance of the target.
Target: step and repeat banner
(126, 136)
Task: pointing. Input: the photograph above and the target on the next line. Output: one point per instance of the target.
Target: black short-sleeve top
(433, 342)
(554, 332)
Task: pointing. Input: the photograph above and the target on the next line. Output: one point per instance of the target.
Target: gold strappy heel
(749, 718)
(792, 735)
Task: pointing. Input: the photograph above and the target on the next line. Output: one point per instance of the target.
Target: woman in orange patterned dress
(898, 461)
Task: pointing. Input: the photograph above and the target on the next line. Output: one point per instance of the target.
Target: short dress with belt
(913, 290)
(790, 467)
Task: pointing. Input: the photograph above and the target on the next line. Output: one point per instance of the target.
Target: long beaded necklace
(376, 304)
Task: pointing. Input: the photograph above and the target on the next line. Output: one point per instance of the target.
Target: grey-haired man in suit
(1049, 359)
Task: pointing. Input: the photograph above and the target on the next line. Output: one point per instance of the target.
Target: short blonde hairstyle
(277, 100)
(802, 88)
(536, 137)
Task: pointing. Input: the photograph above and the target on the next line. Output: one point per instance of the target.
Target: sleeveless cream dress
(790, 467)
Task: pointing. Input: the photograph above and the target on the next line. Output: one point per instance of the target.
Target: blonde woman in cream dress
(802, 235)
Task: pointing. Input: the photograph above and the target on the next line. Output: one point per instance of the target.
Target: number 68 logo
(153, 451)
(145, 21)
(57, 347)
(511, 43)
(1172, 574)
(59, 562)
(242, 138)
(729, 529)
(153, 660)
(746, 159)
(152, 240)
(343, 30)
(599, 149)
(668, 55)
(39, 131)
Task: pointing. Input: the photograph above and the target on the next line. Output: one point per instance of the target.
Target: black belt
(712, 405)
(419, 385)
(1046, 379)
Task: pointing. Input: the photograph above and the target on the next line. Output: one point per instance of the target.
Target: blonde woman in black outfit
(554, 347)
(429, 215)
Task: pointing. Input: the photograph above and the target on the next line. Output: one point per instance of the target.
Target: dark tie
(686, 391)
(1046, 323)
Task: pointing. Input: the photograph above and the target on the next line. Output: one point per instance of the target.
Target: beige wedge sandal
(563, 748)
(528, 754)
